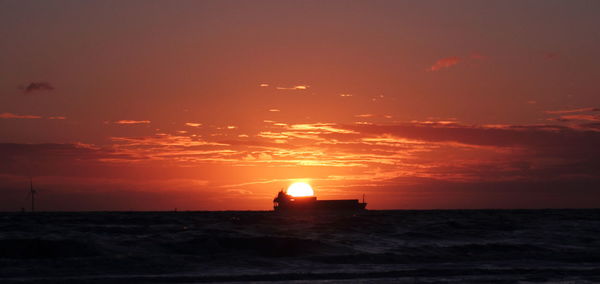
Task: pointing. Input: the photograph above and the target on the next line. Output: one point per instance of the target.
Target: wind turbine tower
(32, 192)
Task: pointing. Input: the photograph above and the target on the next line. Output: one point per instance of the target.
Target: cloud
(162, 139)
(294, 88)
(48, 149)
(274, 110)
(193, 124)
(592, 125)
(576, 110)
(126, 121)
(584, 117)
(345, 95)
(433, 158)
(49, 158)
(8, 115)
(577, 114)
(320, 127)
(453, 60)
(533, 136)
(445, 63)
(57, 117)
(264, 85)
(37, 86)
(377, 98)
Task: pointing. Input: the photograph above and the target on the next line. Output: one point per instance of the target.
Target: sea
(396, 246)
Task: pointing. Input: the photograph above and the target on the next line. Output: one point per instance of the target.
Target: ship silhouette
(284, 202)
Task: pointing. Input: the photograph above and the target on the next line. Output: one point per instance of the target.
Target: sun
(299, 189)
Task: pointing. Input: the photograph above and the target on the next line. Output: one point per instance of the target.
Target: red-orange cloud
(8, 115)
(585, 117)
(445, 63)
(576, 110)
(126, 121)
(355, 158)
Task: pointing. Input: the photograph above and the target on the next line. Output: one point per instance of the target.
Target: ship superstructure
(284, 202)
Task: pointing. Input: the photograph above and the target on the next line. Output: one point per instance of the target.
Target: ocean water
(455, 246)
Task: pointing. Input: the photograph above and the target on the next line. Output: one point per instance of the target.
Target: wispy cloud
(193, 124)
(37, 86)
(274, 110)
(445, 63)
(294, 88)
(385, 158)
(8, 115)
(581, 117)
(58, 117)
(126, 121)
(576, 110)
(450, 152)
(454, 60)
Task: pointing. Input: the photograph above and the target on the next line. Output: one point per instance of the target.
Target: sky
(217, 105)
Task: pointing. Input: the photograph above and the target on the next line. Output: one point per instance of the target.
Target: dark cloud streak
(37, 86)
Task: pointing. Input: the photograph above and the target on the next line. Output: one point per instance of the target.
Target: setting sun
(299, 189)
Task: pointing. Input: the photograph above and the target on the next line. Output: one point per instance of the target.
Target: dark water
(476, 246)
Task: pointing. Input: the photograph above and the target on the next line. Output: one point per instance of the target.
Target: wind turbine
(32, 192)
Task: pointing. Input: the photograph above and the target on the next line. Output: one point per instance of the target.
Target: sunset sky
(216, 105)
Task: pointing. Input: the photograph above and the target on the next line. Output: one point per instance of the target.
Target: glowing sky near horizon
(213, 105)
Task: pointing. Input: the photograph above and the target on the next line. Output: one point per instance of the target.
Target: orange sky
(216, 105)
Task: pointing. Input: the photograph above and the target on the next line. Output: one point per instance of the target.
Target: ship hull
(322, 206)
(287, 203)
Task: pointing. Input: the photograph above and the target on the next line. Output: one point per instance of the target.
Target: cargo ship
(284, 202)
